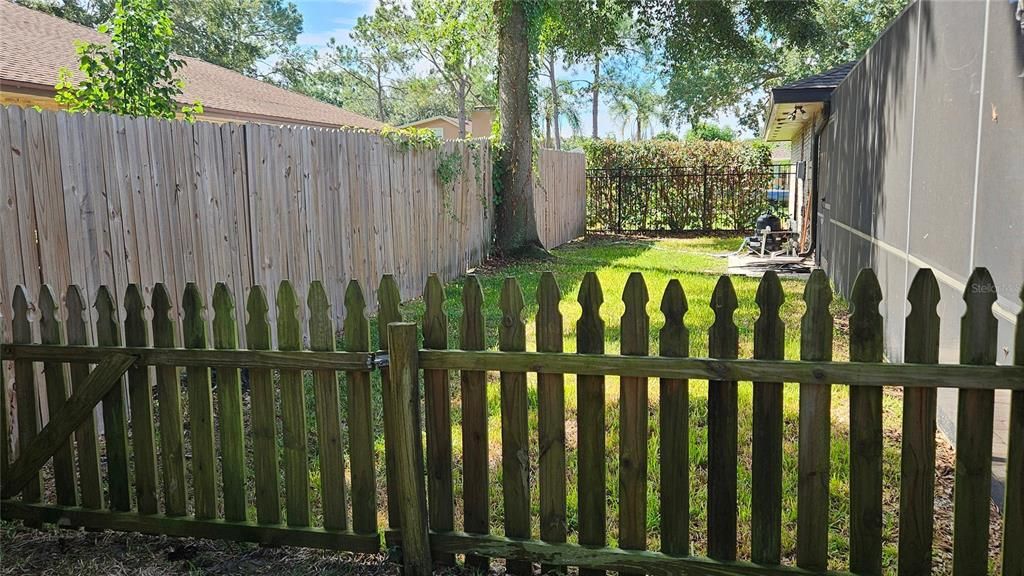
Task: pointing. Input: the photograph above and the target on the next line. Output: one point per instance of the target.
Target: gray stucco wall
(922, 163)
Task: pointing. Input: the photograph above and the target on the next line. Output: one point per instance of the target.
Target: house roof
(448, 119)
(34, 46)
(817, 88)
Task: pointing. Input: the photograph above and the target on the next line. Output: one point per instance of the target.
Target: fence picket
(723, 342)
(674, 424)
(328, 410)
(437, 403)
(476, 505)
(115, 418)
(551, 419)
(293, 410)
(266, 464)
(56, 396)
(515, 444)
(975, 408)
(1013, 510)
(229, 397)
(388, 299)
(140, 401)
(25, 392)
(360, 415)
(635, 326)
(917, 461)
(590, 409)
(816, 327)
(766, 465)
(200, 407)
(866, 333)
(168, 383)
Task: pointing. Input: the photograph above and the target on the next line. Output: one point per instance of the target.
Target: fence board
(635, 326)
(86, 440)
(437, 403)
(590, 409)
(168, 383)
(917, 460)
(515, 443)
(115, 418)
(328, 411)
(476, 505)
(766, 473)
(293, 411)
(674, 424)
(360, 416)
(26, 392)
(50, 332)
(551, 418)
(229, 398)
(972, 490)
(266, 465)
(723, 342)
(200, 408)
(140, 399)
(815, 429)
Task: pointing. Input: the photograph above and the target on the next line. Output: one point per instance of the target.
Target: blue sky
(325, 19)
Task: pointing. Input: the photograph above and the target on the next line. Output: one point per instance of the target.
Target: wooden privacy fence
(560, 196)
(211, 495)
(96, 199)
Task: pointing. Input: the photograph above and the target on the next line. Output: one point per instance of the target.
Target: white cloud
(320, 39)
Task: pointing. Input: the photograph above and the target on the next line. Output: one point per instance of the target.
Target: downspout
(826, 113)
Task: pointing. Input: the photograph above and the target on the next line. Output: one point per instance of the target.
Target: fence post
(618, 202)
(401, 395)
(706, 216)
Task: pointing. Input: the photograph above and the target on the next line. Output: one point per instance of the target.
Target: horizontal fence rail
(267, 496)
(687, 199)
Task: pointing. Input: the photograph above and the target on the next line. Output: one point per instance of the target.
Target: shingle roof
(828, 79)
(34, 46)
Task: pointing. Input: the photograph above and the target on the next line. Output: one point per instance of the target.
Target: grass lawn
(696, 263)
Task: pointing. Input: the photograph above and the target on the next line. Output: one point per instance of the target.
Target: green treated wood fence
(243, 471)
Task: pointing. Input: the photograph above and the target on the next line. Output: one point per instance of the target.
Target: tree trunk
(639, 129)
(547, 130)
(381, 115)
(555, 113)
(597, 93)
(516, 221)
(462, 106)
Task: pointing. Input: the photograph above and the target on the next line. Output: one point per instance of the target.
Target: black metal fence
(704, 199)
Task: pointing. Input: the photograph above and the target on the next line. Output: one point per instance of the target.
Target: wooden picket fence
(170, 497)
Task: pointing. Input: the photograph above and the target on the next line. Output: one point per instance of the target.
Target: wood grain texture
(115, 413)
(551, 418)
(515, 443)
(437, 404)
(674, 425)
(476, 500)
(168, 385)
(723, 342)
(26, 395)
(229, 404)
(200, 407)
(813, 465)
(140, 402)
(360, 416)
(972, 490)
(590, 406)
(635, 326)
(266, 463)
(866, 345)
(388, 299)
(917, 458)
(51, 332)
(90, 481)
(766, 466)
(293, 411)
(328, 411)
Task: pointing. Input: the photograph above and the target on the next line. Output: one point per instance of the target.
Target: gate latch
(380, 360)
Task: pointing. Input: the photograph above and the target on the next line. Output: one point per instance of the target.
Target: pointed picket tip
(388, 301)
(257, 305)
(590, 296)
(818, 291)
(433, 294)
(866, 289)
(980, 290)
(549, 284)
(636, 289)
(192, 301)
(225, 329)
(73, 300)
(472, 292)
(512, 302)
(287, 300)
(20, 302)
(47, 303)
(723, 299)
(673, 302)
(222, 299)
(105, 303)
(770, 294)
(134, 304)
(435, 320)
(354, 299)
(924, 293)
(549, 295)
(321, 327)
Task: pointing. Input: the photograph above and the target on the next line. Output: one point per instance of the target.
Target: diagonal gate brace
(56, 432)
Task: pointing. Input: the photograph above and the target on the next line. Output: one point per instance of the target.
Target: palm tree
(567, 111)
(637, 104)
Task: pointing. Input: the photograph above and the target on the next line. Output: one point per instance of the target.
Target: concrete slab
(946, 421)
